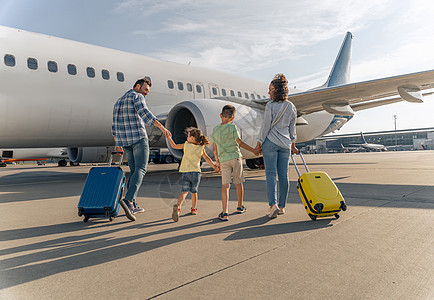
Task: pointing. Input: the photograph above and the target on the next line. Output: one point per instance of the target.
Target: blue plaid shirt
(130, 114)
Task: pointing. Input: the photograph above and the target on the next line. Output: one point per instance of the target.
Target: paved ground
(380, 248)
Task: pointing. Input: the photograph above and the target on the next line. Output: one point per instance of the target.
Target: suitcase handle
(116, 153)
(295, 165)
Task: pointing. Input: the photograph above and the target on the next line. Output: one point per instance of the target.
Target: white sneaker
(282, 211)
(274, 210)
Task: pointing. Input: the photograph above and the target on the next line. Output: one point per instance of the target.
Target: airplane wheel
(251, 164)
(62, 163)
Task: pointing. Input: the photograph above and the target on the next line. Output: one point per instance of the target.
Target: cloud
(250, 34)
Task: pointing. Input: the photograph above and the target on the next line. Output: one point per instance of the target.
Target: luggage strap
(295, 165)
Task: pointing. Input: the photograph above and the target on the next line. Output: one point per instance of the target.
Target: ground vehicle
(161, 156)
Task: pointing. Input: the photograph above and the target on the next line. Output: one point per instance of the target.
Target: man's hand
(119, 149)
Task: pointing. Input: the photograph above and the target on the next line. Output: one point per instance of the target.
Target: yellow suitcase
(320, 196)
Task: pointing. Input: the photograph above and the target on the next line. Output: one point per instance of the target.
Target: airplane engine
(205, 115)
(90, 154)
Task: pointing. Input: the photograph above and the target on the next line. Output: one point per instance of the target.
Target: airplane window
(180, 86)
(90, 72)
(72, 69)
(239, 94)
(232, 93)
(198, 88)
(259, 97)
(9, 60)
(170, 84)
(253, 96)
(105, 74)
(32, 63)
(223, 92)
(52, 66)
(214, 91)
(246, 95)
(189, 87)
(120, 76)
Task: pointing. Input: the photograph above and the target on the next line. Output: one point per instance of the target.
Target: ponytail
(199, 138)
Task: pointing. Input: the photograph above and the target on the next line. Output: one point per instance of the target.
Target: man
(130, 114)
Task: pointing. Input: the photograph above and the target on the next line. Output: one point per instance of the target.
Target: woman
(276, 138)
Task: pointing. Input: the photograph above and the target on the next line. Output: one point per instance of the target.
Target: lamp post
(396, 141)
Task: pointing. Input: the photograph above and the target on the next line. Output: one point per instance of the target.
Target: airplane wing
(340, 100)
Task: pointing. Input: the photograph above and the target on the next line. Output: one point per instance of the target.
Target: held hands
(167, 133)
(217, 167)
(258, 148)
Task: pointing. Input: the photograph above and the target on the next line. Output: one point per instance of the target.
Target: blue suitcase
(102, 192)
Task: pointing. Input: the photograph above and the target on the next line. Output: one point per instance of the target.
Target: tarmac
(382, 247)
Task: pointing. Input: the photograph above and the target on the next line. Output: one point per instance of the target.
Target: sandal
(223, 216)
(241, 209)
(194, 211)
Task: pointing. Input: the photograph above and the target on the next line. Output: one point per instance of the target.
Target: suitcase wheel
(337, 216)
(111, 218)
(86, 218)
(80, 211)
(313, 217)
(343, 206)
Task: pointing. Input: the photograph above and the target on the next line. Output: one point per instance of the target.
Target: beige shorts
(232, 168)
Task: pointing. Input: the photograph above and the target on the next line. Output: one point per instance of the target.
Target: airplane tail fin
(363, 138)
(340, 73)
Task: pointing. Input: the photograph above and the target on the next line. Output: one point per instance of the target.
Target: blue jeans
(190, 182)
(138, 156)
(276, 160)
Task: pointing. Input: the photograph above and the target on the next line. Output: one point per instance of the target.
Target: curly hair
(199, 138)
(280, 84)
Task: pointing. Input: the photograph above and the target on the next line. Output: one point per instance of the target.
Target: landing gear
(62, 163)
(255, 163)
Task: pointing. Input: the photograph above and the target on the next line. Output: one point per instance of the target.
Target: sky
(257, 39)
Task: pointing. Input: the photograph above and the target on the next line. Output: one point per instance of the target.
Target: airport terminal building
(399, 140)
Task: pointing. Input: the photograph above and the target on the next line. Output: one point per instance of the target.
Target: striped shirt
(130, 114)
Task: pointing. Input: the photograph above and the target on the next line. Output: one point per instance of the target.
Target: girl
(190, 167)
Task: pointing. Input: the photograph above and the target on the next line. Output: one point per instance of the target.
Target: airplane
(32, 154)
(60, 93)
(368, 146)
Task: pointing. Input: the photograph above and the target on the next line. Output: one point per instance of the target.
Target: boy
(226, 147)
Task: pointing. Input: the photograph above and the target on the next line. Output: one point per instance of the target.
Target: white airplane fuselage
(40, 108)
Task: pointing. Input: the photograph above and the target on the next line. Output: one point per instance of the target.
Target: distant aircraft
(32, 154)
(70, 89)
(368, 146)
